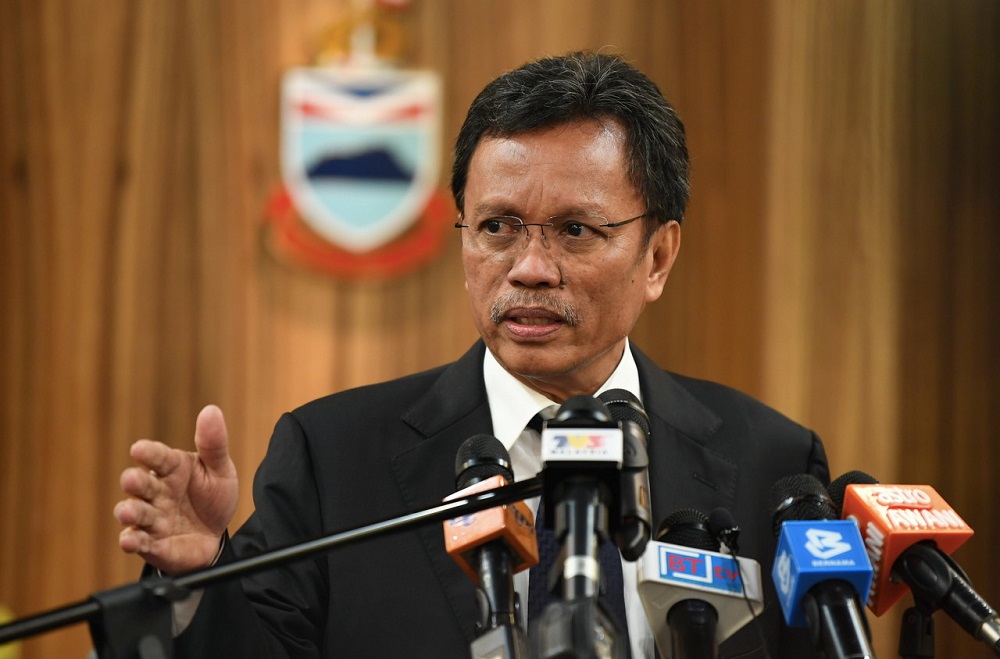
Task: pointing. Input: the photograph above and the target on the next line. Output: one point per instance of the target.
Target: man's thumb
(211, 440)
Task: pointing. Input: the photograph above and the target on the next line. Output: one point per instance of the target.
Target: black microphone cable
(722, 525)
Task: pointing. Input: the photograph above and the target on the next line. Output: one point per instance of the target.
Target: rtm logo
(826, 544)
(579, 441)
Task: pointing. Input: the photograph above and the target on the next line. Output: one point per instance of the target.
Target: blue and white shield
(360, 151)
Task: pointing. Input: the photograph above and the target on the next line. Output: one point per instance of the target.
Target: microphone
(819, 569)
(490, 546)
(693, 595)
(722, 525)
(582, 456)
(634, 509)
(910, 531)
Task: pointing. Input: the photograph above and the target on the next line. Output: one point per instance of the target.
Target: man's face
(558, 320)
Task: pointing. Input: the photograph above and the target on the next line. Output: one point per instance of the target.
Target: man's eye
(580, 230)
(493, 226)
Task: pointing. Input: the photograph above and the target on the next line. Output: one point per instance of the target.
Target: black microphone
(582, 455)
(490, 546)
(820, 567)
(722, 525)
(633, 532)
(909, 531)
(693, 622)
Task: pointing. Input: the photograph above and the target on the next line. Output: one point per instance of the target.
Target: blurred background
(839, 258)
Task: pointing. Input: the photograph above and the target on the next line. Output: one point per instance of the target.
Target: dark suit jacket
(378, 451)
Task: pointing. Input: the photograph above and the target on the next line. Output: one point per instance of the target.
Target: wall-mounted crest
(360, 160)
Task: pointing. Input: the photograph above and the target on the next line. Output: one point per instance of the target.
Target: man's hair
(556, 90)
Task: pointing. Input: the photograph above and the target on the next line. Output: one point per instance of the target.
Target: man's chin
(532, 360)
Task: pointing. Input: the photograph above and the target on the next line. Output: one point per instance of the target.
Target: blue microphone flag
(813, 551)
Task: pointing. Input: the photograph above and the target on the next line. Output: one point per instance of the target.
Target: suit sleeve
(818, 465)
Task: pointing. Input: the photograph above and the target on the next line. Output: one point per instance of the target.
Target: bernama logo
(783, 571)
(825, 544)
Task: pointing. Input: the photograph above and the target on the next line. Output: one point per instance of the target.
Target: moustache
(519, 299)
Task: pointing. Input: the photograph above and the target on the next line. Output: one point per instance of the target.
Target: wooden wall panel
(880, 320)
(949, 396)
(833, 231)
(837, 261)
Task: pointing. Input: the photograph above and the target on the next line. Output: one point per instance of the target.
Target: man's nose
(535, 261)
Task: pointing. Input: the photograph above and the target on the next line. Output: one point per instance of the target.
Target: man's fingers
(139, 482)
(138, 513)
(156, 456)
(211, 440)
(133, 540)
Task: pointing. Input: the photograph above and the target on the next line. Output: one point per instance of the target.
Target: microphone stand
(133, 621)
(916, 632)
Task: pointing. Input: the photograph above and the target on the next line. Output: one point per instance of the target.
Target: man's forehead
(600, 125)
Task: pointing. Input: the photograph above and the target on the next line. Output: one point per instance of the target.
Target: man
(571, 179)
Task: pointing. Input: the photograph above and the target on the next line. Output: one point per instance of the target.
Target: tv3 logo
(579, 441)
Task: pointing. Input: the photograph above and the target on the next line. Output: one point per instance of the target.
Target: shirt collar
(513, 403)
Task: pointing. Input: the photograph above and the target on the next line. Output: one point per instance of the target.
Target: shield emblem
(360, 151)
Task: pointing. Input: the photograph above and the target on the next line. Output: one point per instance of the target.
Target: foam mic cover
(684, 565)
(892, 519)
(482, 464)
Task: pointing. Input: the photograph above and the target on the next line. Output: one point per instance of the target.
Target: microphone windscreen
(480, 457)
(583, 408)
(687, 527)
(799, 497)
(838, 488)
(624, 406)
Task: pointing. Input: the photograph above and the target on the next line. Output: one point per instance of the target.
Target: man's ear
(660, 255)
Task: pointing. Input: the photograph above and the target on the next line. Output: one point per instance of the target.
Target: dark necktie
(612, 592)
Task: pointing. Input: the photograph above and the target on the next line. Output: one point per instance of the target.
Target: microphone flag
(669, 573)
(813, 551)
(513, 524)
(893, 518)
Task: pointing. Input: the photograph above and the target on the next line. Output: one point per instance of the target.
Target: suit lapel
(453, 409)
(685, 468)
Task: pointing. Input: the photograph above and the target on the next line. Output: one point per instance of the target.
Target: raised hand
(179, 502)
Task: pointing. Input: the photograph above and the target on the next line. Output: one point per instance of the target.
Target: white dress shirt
(512, 405)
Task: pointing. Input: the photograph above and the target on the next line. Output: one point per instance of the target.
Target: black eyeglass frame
(606, 225)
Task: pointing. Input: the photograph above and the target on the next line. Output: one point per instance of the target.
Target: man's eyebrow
(580, 212)
(493, 209)
(498, 209)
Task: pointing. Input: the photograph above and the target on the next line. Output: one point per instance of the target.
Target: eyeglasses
(578, 233)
